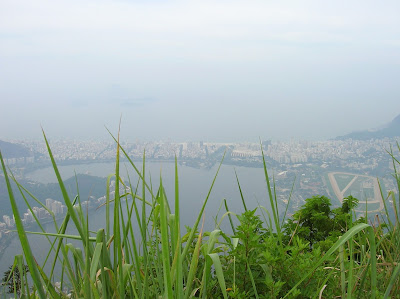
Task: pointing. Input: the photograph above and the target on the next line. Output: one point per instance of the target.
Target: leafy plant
(247, 254)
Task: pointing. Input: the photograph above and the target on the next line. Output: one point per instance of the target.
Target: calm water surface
(194, 185)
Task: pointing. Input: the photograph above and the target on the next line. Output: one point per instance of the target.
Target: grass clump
(143, 253)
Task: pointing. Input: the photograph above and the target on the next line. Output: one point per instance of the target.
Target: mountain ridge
(12, 150)
(391, 130)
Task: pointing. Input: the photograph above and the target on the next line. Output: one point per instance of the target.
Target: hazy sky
(198, 70)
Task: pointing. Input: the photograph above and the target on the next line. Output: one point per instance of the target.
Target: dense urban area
(329, 168)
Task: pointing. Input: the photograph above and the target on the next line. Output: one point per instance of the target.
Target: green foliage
(318, 252)
(317, 224)
(274, 271)
(313, 222)
(248, 252)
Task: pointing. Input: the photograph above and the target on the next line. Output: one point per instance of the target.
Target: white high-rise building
(35, 211)
(7, 220)
(56, 207)
(42, 213)
(28, 217)
(49, 203)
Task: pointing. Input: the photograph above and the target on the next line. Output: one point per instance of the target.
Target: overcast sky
(198, 70)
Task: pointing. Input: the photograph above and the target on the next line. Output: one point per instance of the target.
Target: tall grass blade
(179, 271)
(165, 243)
(230, 217)
(272, 200)
(288, 203)
(118, 251)
(67, 200)
(22, 236)
(392, 281)
(108, 205)
(342, 271)
(196, 224)
(219, 272)
(193, 266)
(252, 280)
(240, 191)
(134, 166)
(143, 226)
(50, 287)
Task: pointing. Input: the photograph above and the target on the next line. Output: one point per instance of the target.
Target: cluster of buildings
(305, 151)
(97, 150)
(19, 161)
(282, 152)
(305, 159)
(57, 208)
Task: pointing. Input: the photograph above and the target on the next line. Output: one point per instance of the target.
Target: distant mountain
(390, 130)
(12, 150)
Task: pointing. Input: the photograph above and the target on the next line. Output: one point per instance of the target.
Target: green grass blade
(22, 236)
(272, 200)
(342, 271)
(252, 280)
(118, 250)
(240, 190)
(219, 272)
(50, 287)
(165, 243)
(193, 267)
(95, 261)
(107, 203)
(74, 237)
(392, 281)
(178, 248)
(195, 226)
(22, 273)
(143, 227)
(134, 166)
(212, 239)
(67, 200)
(230, 217)
(288, 203)
(218, 225)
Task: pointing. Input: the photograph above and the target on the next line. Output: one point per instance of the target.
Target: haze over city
(198, 70)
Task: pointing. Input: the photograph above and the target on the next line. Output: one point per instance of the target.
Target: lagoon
(194, 185)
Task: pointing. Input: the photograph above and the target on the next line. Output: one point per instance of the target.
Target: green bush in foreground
(318, 253)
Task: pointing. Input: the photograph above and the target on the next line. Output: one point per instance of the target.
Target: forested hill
(390, 130)
(88, 186)
(12, 150)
